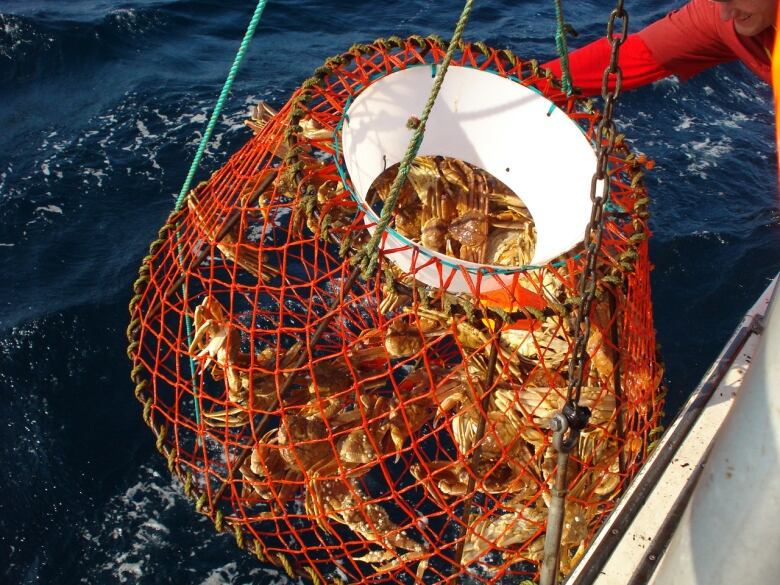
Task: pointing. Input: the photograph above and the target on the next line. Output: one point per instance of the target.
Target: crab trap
(394, 428)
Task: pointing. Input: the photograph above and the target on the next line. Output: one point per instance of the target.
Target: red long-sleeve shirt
(683, 43)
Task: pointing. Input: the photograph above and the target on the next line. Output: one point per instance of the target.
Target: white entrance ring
(493, 123)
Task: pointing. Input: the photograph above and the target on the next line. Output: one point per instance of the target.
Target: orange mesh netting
(382, 429)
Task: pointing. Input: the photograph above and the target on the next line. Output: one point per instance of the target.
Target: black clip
(569, 30)
(572, 419)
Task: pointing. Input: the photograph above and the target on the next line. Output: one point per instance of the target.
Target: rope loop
(201, 501)
(131, 349)
(483, 48)
(419, 40)
(509, 56)
(396, 41)
(287, 565)
(162, 431)
(258, 550)
(239, 535)
(139, 390)
(436, 41)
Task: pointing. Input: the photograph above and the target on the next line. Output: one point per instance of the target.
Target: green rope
(563, 49)
(242, 49)
(250, 31)
(193, 370)
(370, 256)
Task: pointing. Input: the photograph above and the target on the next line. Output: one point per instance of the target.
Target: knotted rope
(369, 256)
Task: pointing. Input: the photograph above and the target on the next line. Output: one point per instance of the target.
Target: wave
(37, 46)
(75, 35)
(151, 524)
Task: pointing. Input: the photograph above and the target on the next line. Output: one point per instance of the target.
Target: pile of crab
(454, 208)
(345, 417)
(420, 438)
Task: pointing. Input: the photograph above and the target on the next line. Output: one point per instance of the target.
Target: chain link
(567, 424)
(605, 143)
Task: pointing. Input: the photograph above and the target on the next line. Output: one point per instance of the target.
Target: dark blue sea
(102, 104)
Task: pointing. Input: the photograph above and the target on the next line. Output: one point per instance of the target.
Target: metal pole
(555, 515)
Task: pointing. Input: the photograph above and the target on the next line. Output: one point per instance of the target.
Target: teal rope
(563, 49)
(250, 31)
(370, 256)
(193, 371)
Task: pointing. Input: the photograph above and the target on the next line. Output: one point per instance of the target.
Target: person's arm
(587, 65)
(682, 43)
(690, 40)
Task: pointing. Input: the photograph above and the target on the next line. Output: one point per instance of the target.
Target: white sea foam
(685, 122)
(127, 570)
(131, 20)
(99, 174)
(705, 153)
(142, 129)
(139, 530)
(222, 575)
(50, 209)
(124, 13)
(734, 119)
(713, 149)
(229, 574)
(133, 125)
(17, 33)
(132, 526)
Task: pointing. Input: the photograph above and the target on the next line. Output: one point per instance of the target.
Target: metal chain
(605, 143)
(568, 423)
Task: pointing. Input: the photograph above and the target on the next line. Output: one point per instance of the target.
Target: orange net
(384, 429)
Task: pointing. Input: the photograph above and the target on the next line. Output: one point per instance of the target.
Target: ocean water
(102, 104)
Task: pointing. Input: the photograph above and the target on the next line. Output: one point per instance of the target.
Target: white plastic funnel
(496, 124)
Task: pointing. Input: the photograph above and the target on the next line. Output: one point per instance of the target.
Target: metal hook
(560, 426)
